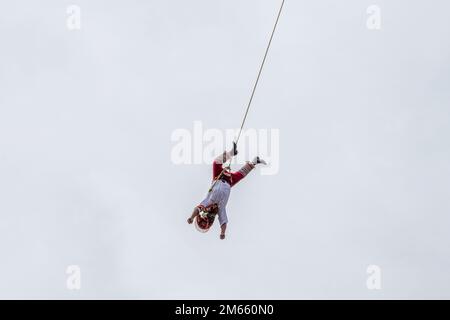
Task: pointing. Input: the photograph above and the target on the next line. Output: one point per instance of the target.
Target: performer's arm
(194, 214)
(223, 228)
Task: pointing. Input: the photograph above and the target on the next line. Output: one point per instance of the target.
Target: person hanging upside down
(217, 198)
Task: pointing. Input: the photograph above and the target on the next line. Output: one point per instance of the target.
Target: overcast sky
(86, 170)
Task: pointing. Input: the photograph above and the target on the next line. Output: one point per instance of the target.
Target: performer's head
(206, 217)
(202, 223)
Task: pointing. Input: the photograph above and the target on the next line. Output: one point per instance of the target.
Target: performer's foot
(258, 160)
(222, 236)
(234, 151)
(190, 220)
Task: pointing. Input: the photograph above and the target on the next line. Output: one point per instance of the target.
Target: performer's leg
(217, 169)
(219, 161)
(245, 170)
(242, 173)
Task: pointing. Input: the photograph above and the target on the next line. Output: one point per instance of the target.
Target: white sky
(86, 176)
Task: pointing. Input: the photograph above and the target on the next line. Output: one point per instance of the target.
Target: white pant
(219, 195)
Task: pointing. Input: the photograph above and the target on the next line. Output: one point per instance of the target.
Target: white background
(86, 176)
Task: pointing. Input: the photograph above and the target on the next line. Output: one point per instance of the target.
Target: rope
(254, 90)
(260, 71)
